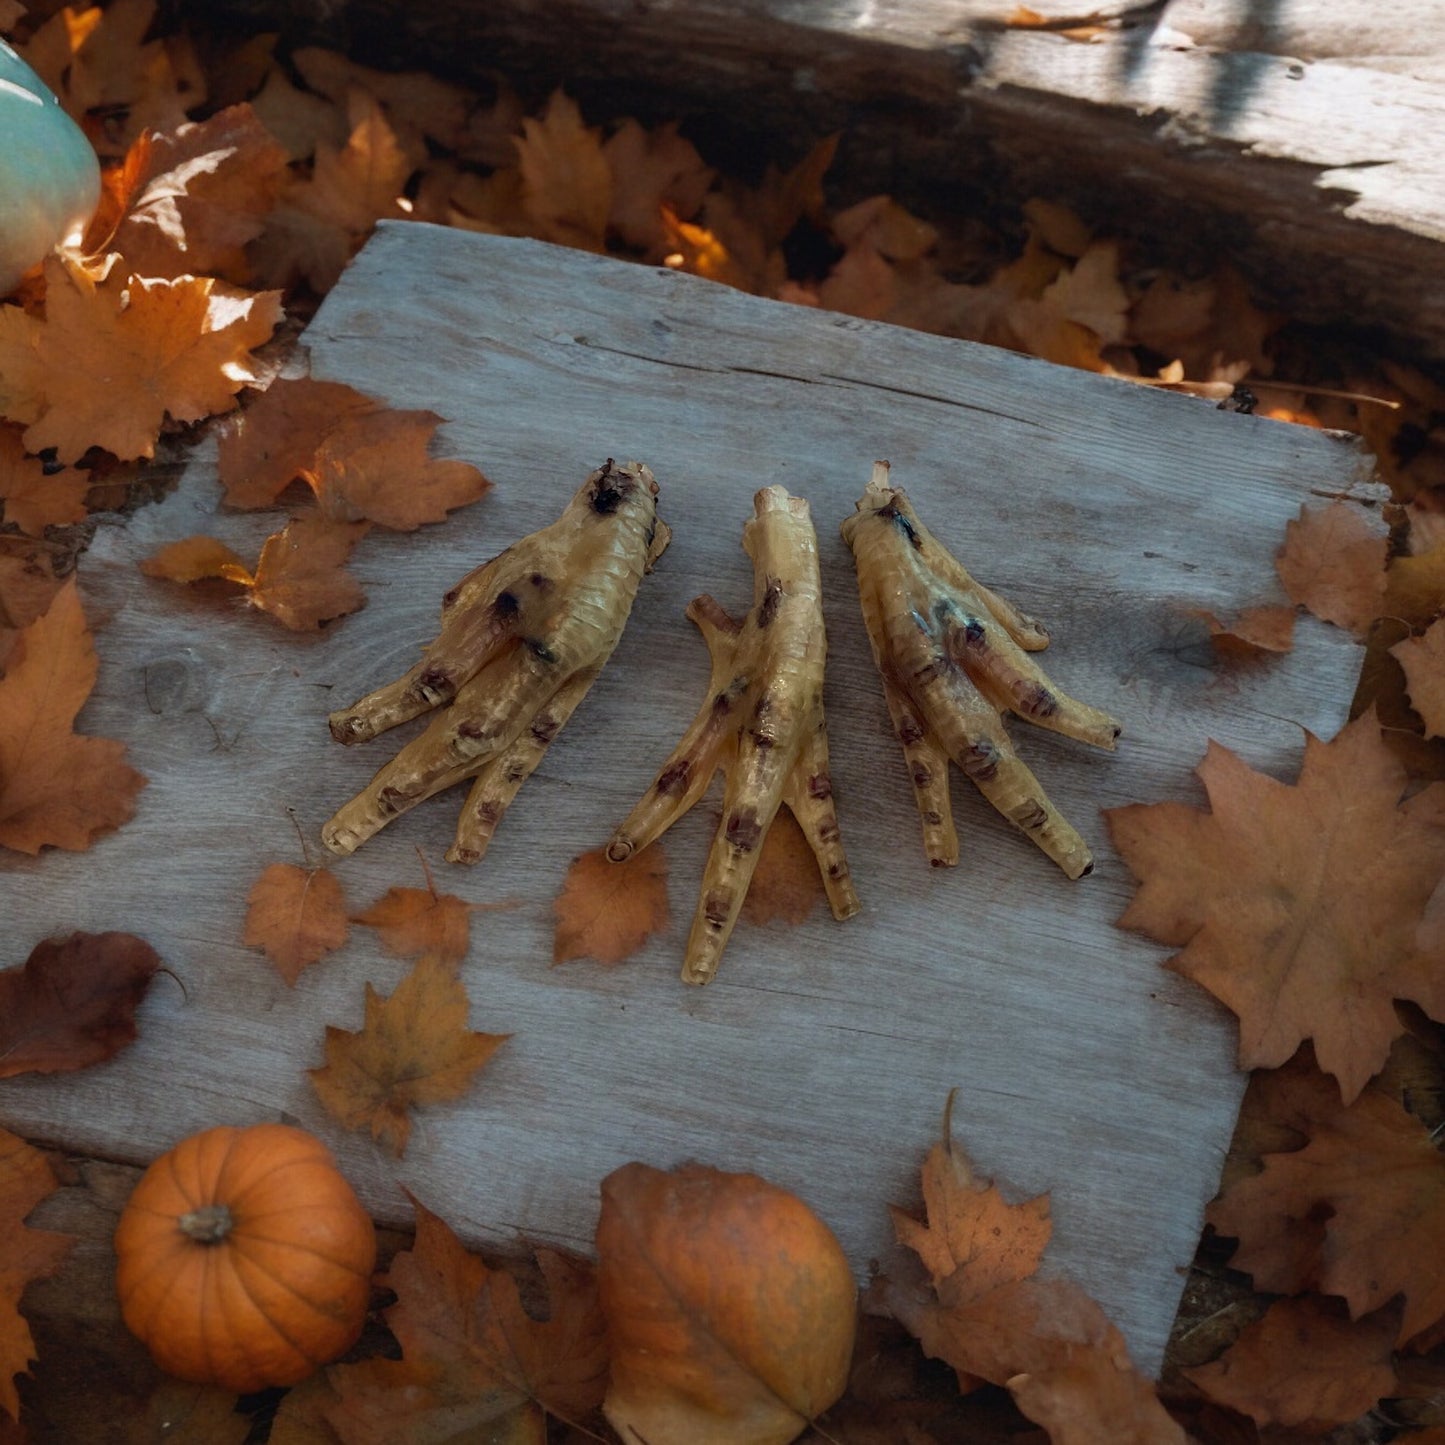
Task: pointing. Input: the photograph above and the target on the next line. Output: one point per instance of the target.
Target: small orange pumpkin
(244, 1259)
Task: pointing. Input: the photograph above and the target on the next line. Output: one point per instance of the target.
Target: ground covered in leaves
(238, 183)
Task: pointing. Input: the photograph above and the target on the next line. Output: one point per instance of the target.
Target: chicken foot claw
(763, 724)
(953, 657)
(522, 639)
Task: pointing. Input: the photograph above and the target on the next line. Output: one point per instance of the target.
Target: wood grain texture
(822, 1055)
(1295, 136)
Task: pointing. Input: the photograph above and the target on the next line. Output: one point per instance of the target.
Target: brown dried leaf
(208, 189)
(1298, 906)
(37, 496)
(730, 1305)
(1255, 631)
(650, 170)
(57, 788)
(786, 886)
(475, 1364)
(25, 1179)
(1423, 659)
(607, 911)
(1305, 1364)
(301, 578)
(1332, 563)
(72, 1003)
(197, 559)
(566, 180)
(295, 916)
(413, 1049)
(413, 921)
(1372, 1174)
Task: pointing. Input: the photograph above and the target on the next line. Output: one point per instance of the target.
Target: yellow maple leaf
(414, 1048)
(114, 355)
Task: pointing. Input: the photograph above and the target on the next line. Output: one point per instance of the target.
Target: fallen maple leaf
(987, 1316)
(28, 586)
(1423, 659)
(1256, 630)
(362, 459)
(786, 886)
(566, 180)
(1304, 1364)
(37, 495)
(730, 1307)
(201, 198)
(413, 921)
(650, 170)
(114, 356)
(1298, 906)
(414, 1048)
(475, 1364)
(295, 916)
(1365, 1197)
(300, 579)
(25, 1179)
(72, 1003)
(57, 789)
(1332, 563)
(607, 911)
(412, 98)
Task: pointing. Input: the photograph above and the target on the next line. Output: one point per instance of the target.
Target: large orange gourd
(244, 1258)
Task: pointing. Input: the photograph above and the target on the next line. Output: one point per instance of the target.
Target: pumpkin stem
(207, 1225)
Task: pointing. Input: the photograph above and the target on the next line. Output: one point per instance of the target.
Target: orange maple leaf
(202, 195)
(1332, 563)
(72, 1003)
(1298, 906)
(566, 180)
(986, 1315)
(607, 911)
(295, 916)
(1359, 1211)
(57, 789)
(650, 170)
(25, 1179)
(300, 579)
(360, 458)
(114, 356)
(414, 1048)
(1305, 1365)
(413, 921)
(786, 886)
(37, 496)
(473, 1359)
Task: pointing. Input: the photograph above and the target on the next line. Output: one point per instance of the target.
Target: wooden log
(1299, 139)
(822, 1055)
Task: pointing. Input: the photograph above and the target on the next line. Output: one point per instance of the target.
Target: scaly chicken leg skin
(522, 639)
(954, 657)
(763, 724)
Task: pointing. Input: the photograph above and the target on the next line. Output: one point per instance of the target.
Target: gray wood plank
(822, 1055)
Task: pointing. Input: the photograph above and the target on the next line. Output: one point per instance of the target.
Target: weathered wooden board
(1296, 138)
(822, 1055)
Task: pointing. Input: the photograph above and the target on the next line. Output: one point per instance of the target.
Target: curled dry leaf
(57, 789)
(1305, 1365)
(607, 911)
(730, 1307)
(1358, 1211)
(295, 916)
(1255, 632)
(73, 1001)
(475, 1364)
(178, 349)
(1298, 906)
(414, 1048)
(300, 578)
(1332, 564)
(25, 1179)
